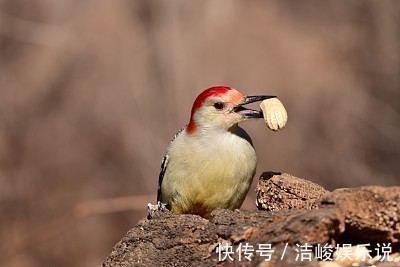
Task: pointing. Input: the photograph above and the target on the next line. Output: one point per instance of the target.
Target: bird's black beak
(250, 113)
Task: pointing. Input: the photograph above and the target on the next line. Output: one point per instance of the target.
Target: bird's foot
(152, 209)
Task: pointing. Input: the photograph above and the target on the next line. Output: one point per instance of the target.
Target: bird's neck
(191, 128)
(196, 131)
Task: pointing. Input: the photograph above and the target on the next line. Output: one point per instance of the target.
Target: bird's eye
(219, 105)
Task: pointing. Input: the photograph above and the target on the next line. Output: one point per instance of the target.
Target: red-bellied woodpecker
(211, 162)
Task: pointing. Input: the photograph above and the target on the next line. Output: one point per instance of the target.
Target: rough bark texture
(277, 191)
(304, 213)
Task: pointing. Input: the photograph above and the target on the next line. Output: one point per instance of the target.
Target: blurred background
(92, 91)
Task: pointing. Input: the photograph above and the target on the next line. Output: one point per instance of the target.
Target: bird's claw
(151, 209)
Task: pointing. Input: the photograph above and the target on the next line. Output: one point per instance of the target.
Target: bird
(210, 163)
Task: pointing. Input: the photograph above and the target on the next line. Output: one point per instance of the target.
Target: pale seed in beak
(275, 114)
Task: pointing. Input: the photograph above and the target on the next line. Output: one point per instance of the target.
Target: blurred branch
(33, 32)
(43, 233)
(104, 206)
(53, 228)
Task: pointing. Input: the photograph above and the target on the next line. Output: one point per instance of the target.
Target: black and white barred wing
(164, 166)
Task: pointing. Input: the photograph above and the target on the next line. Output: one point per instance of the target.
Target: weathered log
(305, 214)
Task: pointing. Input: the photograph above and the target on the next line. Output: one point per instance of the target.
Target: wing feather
(164, 165)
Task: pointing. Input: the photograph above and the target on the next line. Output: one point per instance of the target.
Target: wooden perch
(297, 212)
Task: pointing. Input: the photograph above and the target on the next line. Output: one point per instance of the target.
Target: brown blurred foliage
(91, 92)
